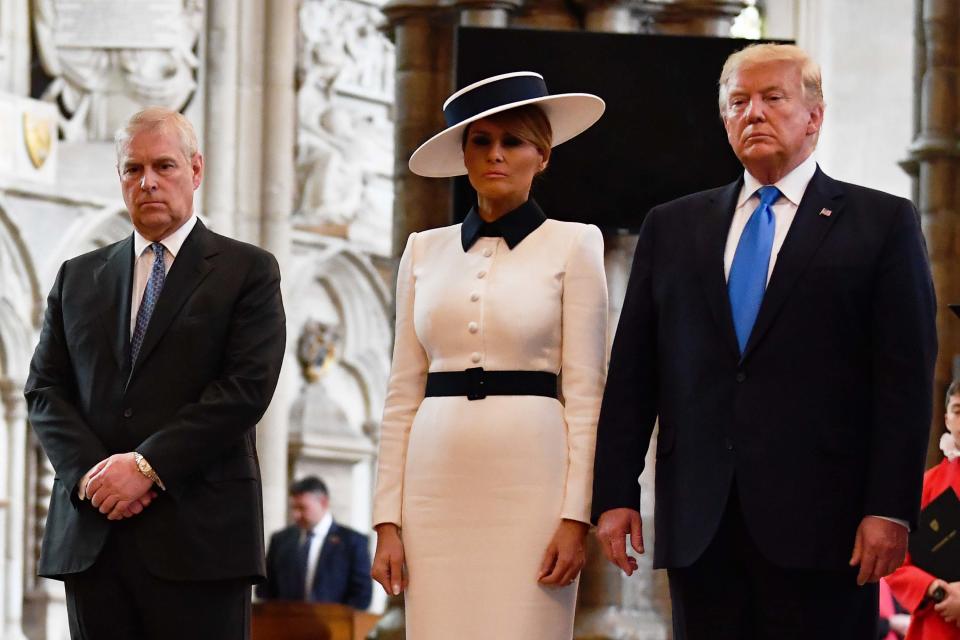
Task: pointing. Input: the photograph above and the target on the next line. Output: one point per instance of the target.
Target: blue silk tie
(150, 294)
(748, 273)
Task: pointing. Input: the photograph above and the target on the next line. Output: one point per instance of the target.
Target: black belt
(477, 384)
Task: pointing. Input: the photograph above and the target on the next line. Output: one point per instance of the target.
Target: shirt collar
(322, 528)
(171, 243)
(513, 227)
(792, 186)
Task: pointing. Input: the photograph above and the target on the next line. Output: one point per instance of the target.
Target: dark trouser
(733, 593)
(117, 598)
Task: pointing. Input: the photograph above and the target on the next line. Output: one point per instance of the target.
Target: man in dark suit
(158, 356)
(782, 329)
(316, 559)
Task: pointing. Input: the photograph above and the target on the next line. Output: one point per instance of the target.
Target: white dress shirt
(792, 186)
(320, 532)
(144, 262)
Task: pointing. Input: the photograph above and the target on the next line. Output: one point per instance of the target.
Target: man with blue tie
(317, 559)
(782, 331)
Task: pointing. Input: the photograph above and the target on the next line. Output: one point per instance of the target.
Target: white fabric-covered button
(473, 327)
(487, 253)
(482, 275)
(475, 357)
(474, 296)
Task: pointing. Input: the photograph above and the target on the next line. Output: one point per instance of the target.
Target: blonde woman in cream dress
(483, 491)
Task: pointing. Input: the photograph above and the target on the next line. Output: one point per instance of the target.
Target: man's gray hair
(151, 119)
(759, 53)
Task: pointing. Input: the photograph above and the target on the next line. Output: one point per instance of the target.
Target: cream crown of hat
(570, 114)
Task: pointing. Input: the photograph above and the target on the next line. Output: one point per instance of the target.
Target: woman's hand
(949, 609)
(565, 555)
(387, 566)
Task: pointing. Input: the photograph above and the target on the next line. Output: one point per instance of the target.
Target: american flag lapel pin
(826, 213)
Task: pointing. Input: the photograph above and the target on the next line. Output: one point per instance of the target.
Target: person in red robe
(912, 586)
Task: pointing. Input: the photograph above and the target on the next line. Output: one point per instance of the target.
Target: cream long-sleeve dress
(479, 487)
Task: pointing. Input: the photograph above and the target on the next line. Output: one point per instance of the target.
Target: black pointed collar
(513, 227)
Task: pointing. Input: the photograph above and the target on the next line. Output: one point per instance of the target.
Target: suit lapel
(189, 269)
(807, 232)
(114, 280)
(711, 242)
(329, 544)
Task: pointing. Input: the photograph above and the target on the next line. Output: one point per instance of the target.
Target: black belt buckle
(475, 388)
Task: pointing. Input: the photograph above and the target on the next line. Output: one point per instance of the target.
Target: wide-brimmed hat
(569, 113)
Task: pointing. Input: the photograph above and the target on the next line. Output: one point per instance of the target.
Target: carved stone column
(691, 17)
(220, 116)
(249, 129)
(423, 34)
(15, 415)
(485, 13)
(279, 179)
(612, 16)
(935, 150)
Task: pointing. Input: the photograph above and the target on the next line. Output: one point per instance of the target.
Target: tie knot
(157, 249)
(768, 194)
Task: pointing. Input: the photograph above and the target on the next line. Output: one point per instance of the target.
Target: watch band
(147, 470)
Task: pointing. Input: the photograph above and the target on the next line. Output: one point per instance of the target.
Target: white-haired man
(782, 329)
(157, 358)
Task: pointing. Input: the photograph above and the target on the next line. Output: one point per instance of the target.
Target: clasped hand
(116, 488)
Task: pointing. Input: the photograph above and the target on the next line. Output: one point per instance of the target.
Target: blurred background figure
(315, 559)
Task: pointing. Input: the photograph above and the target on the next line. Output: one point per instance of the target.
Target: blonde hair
(527, 122)
(810, 80)
(153, 119)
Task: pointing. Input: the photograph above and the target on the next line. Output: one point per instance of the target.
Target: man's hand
(949, 608)
(82, 485)
(879, 548)
(117, 485)
(565, 555)
(612, 530)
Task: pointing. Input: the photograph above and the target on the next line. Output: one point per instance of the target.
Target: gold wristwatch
(147, 470)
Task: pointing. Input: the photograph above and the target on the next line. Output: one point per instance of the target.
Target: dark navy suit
(821, 421)
(343, 568)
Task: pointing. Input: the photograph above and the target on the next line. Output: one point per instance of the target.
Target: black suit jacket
(207, 369)
(342, 574)
(824, 418)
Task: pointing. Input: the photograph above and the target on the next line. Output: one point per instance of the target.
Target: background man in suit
(785, 337)
(158, 356)
(316, 559)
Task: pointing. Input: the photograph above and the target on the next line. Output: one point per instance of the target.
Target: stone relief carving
(345, 133)
(143, 55)
(317, 349)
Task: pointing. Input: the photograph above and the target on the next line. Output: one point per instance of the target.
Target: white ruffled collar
(948, 445)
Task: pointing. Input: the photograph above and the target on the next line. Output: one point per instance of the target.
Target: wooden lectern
(279, 620)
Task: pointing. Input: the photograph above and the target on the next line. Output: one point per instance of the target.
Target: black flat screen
(660, 138)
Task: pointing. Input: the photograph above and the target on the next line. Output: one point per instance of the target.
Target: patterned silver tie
(150, 295)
